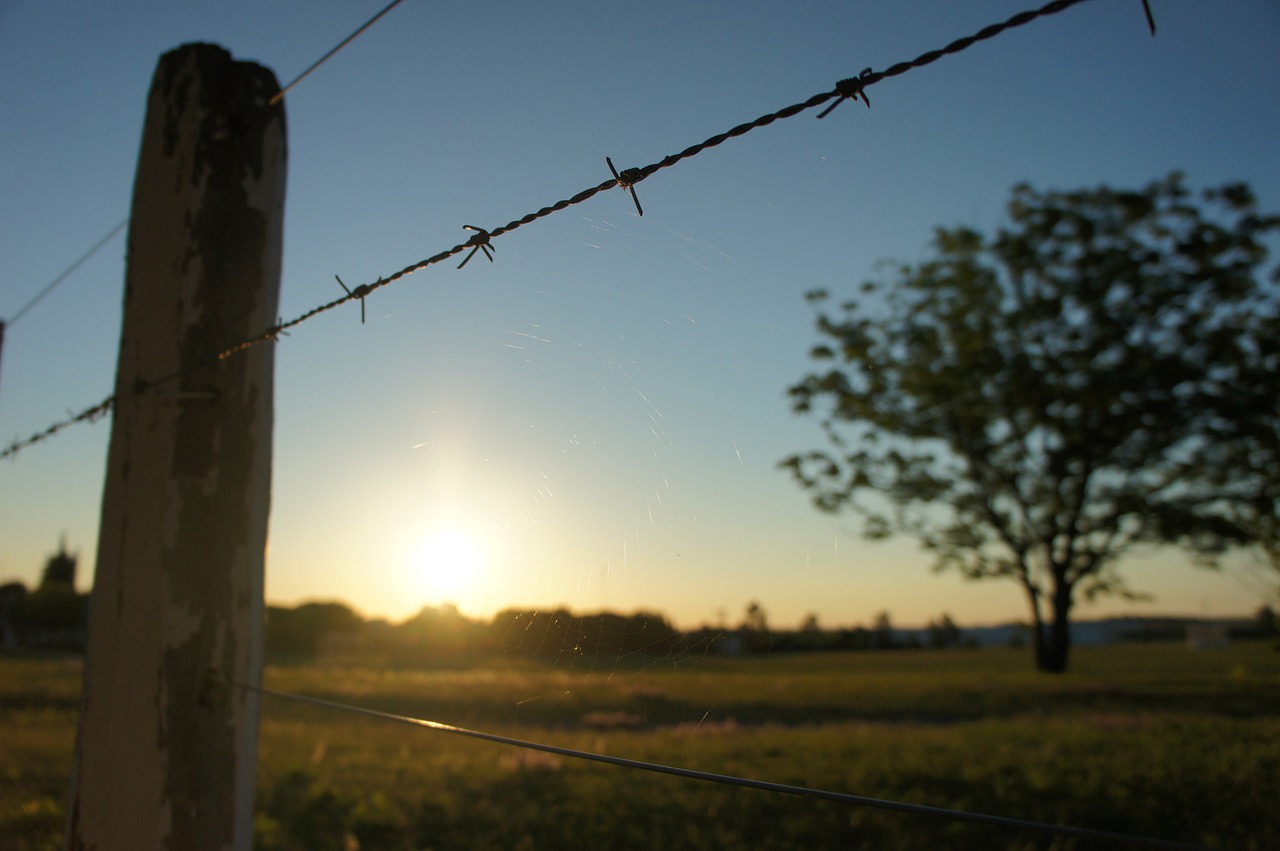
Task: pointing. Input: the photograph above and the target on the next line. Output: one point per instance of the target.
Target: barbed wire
(278, 96)
(66, 273)
(6, 324)
(102, 407)
(1004, 822)
(852, 88)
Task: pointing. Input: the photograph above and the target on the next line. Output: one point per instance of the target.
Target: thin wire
(842, 90)
(1151, 20)
(745, 782)
(636, 175)
(323, 59)
(84, 258)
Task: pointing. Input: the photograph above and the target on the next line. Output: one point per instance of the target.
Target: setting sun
(448, 566)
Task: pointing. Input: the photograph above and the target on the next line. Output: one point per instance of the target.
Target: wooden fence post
(166, 751)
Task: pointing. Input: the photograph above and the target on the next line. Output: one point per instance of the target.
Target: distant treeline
(55, 617)
(52, 617)
(333, 631)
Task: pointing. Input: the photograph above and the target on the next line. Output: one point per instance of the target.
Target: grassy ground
(1154, 740)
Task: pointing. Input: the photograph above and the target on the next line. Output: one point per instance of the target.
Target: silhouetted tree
(755, 628)
(882, 637)
(440, 633)
(1035, 405)
(1264, 621)
(12, 596)
(810, 636)
(943, 632)
(53, 615)
(558, 635)
(1245, 459)
(858, 638)
(296, 633)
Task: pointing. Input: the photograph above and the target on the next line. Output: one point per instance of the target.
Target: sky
(593, 420)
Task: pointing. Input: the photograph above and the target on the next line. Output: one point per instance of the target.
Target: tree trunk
(1051, 641)
(1052, 655)
(1038, 639)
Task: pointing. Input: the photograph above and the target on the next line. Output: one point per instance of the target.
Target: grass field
(1154, 740)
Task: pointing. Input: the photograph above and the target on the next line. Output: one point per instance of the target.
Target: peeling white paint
(183, 534)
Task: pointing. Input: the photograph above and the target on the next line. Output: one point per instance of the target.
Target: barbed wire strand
(66, 273)
(323, 59)
(850, 88)
(52, 285)
(1003, 822)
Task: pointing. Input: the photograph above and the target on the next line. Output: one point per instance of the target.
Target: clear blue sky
(600, 411)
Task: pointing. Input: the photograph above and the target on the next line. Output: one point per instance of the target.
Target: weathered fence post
(166, 751)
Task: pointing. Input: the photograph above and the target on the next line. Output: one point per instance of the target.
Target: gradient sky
(601, 410)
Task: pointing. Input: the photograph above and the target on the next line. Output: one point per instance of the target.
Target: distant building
(60, 569)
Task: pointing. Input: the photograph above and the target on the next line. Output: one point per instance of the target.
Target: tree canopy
(1099, 375)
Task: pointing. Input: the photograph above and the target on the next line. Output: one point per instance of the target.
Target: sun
(449, 565)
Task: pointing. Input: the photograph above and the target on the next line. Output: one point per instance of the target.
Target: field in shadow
(1153, 740)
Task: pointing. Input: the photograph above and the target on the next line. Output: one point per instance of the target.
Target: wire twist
(626, 179)
(278, 96)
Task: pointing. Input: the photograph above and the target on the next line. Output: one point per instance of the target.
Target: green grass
(38, 705)
(1154, 740)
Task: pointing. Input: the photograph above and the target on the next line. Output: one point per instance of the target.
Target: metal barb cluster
(628, 180)
(275, 332)
(360, 292)
(852, 88)
(479, 242)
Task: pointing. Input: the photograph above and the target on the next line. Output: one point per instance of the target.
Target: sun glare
(449, 565)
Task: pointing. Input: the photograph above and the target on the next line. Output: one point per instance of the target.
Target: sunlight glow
(449, 566)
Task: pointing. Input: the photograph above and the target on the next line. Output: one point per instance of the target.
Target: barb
(628, 178)
(870, 78)
(323, 59)
(84, 258)
(742, 782)
(853, 89)
(479, 242)
(349, 292)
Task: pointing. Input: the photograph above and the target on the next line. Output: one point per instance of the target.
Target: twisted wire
(66, 273)
(1004, 822)
(323, 59)
(629, 178)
